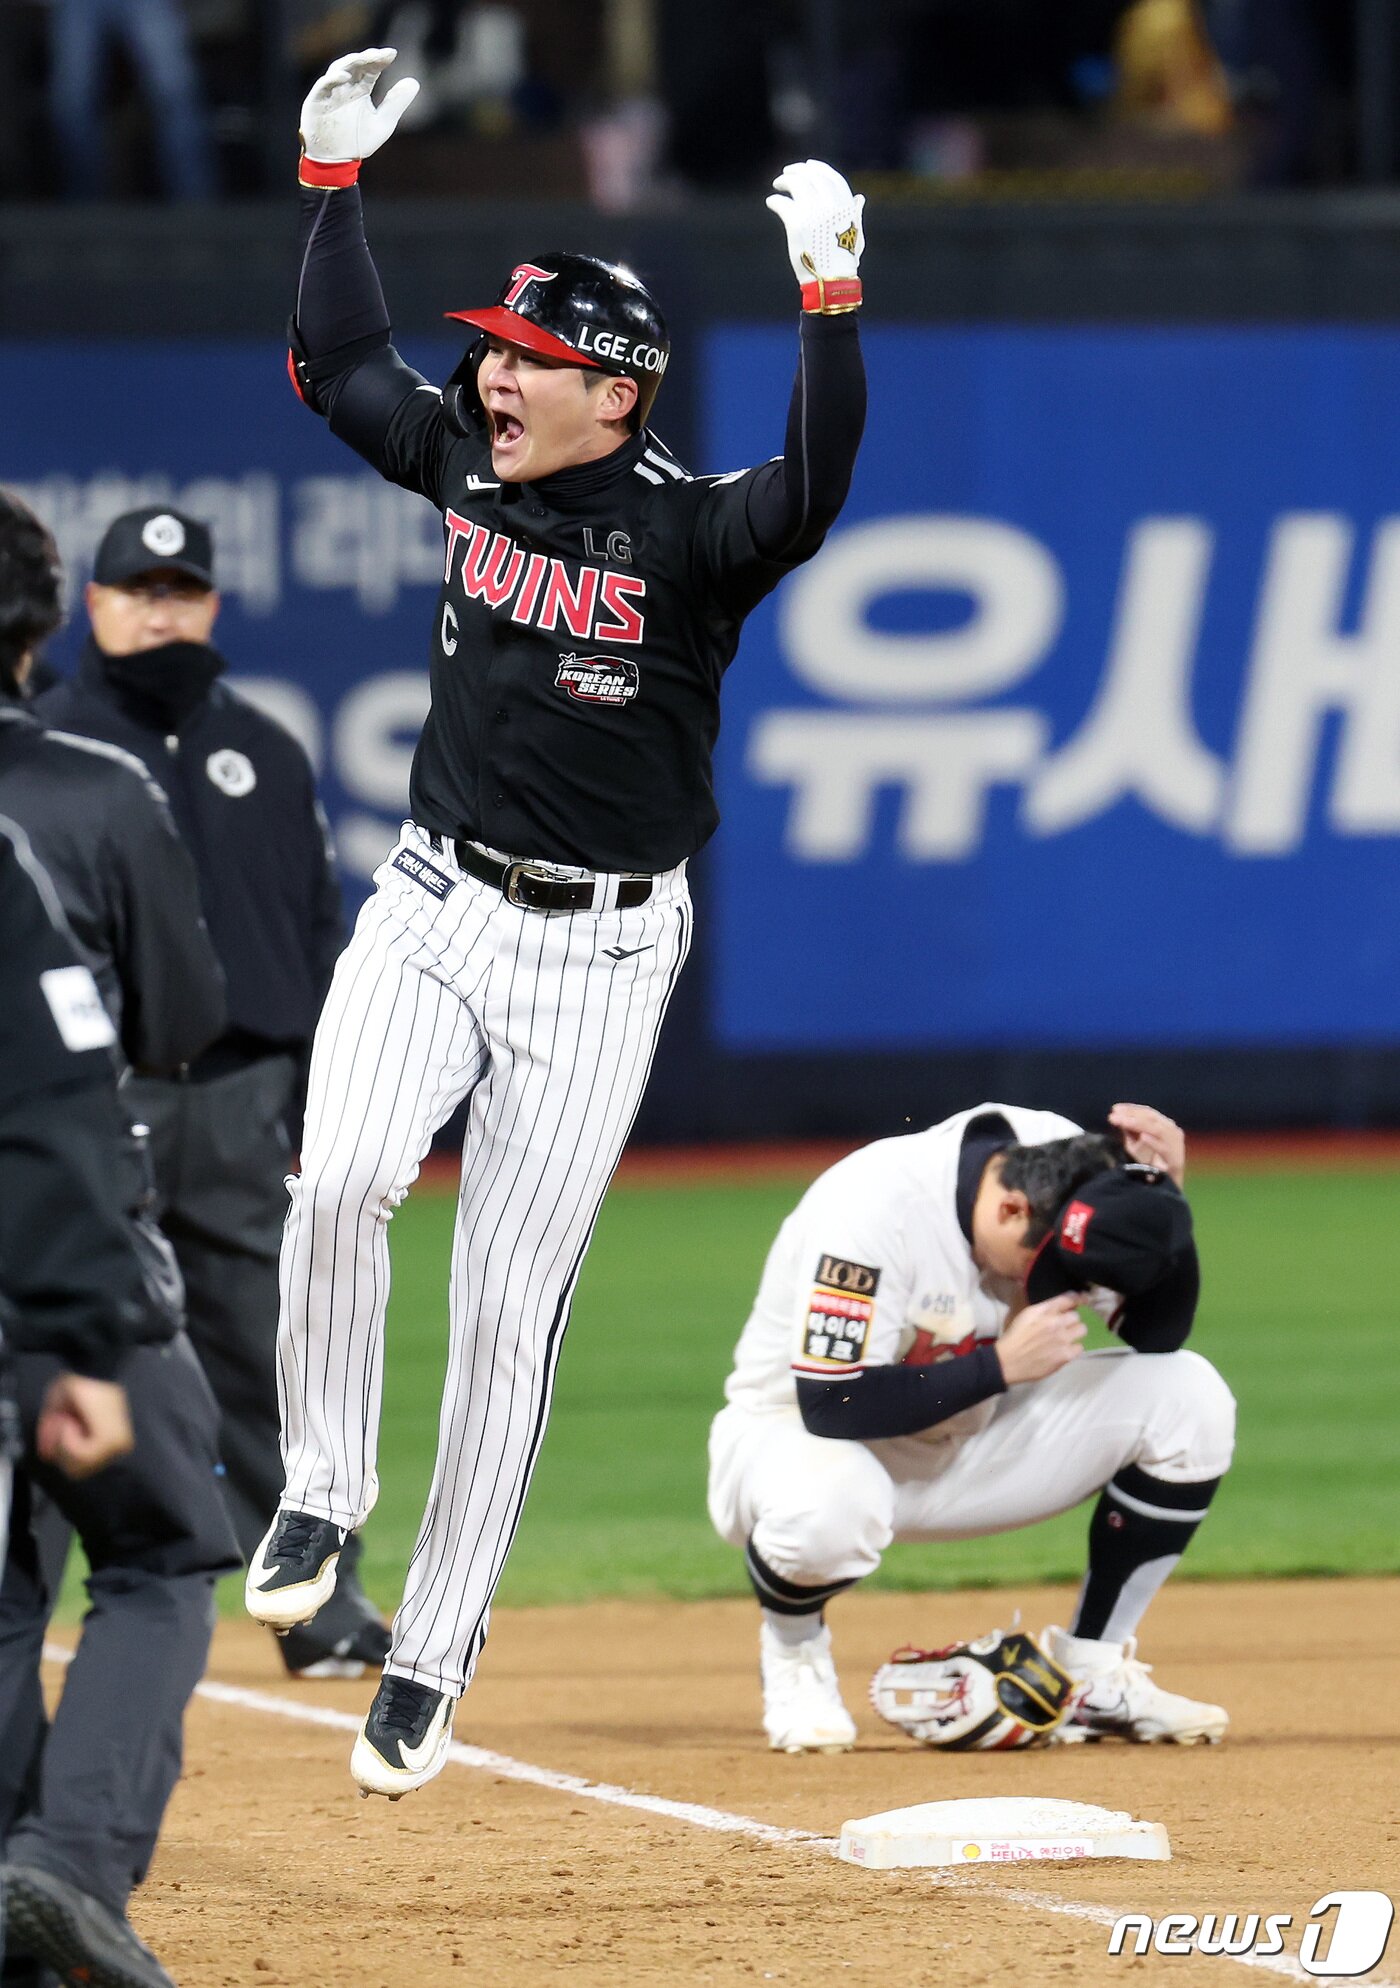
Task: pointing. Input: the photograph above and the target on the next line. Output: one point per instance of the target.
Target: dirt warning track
(273, 1874)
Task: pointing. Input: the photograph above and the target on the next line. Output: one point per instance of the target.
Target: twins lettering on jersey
(538, 591)
(839, 1316)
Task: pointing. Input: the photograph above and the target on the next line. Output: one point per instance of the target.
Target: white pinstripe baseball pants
(441, 996)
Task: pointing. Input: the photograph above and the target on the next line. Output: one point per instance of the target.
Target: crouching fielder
(912, 1369)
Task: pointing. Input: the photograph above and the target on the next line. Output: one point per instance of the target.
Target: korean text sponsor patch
(839, 1315)
(434, 881)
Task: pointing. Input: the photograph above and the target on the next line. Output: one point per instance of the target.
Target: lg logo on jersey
(1360, 1934)
(618, 547)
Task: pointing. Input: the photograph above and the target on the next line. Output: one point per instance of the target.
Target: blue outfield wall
(1083, 729)
(1085, 725)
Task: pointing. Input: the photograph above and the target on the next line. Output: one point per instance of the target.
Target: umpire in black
(102, 829)
(81, 1803)
(243, 796)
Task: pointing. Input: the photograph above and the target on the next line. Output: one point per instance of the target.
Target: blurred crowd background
(640, 103)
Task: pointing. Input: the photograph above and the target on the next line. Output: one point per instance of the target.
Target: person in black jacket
(244, 800)
(81, 1801)
(103, 831)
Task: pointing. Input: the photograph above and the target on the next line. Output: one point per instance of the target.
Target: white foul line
(505, 1768)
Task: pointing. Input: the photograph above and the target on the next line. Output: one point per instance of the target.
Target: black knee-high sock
(1141, 1527)
(784, 1597)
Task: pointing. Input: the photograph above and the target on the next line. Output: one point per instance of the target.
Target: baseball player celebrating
(913, 1369)
(526, 932)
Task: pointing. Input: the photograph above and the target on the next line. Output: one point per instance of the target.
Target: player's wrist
(831, 296)
(328, 173)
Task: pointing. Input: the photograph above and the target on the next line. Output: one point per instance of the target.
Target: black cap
(155, 539)
(1129, 1229)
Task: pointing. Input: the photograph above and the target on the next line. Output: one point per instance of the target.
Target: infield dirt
(272, 1874)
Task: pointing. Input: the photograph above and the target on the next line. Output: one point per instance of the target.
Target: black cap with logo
(154, 540)
(1128, 1229)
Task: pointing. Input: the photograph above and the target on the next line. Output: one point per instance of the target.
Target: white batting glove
(825, 234)
(341, 124)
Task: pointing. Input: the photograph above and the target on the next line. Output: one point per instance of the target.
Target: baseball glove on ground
(1001, 1691)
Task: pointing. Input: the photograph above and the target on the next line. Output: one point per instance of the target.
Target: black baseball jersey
(585, 620)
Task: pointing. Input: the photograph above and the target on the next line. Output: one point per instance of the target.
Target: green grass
(1301, 1271)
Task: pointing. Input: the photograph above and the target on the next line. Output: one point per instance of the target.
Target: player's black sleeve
(793, 502)
(897, 1400)
(752, 528)
(349, 370)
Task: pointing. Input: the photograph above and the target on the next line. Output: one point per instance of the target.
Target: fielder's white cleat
(802, 1709)
(293, 1572)
(1117, 1698)
(404, 1739)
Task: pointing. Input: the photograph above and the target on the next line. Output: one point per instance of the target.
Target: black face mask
(168, 683)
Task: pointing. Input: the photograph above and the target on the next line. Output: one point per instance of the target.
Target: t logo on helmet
(523, 276)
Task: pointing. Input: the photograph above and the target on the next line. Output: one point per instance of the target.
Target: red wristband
(838, 293)
(313, 173)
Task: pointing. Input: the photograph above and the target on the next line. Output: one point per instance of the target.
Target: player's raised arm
(778, 515)
(792, 508)
(341, 360)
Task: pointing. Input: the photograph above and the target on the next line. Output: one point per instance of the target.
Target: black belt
(533, 889)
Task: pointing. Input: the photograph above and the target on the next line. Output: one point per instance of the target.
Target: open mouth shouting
(507, 435)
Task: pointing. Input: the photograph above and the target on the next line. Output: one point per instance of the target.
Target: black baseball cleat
(404, 1740)
(321, 1652)
(293, 1572)
(85, 1941)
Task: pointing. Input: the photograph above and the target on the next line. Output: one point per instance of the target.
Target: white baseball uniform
(822, 1510)
(448, 993)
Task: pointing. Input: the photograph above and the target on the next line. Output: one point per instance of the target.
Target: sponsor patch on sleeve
(77, 1009)
(839, 1315)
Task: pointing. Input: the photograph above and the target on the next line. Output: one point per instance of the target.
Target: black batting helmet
(577, 308)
